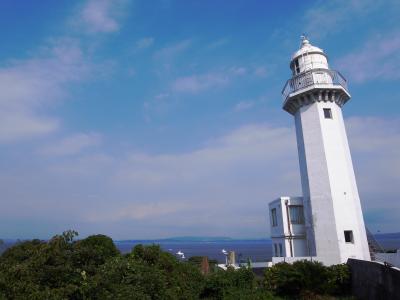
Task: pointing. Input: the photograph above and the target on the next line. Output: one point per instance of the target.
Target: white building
(327, 222)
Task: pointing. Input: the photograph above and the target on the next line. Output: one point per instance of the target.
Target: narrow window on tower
(274, 218)
(280, 250)
(297, 66)
(327, 113)
(276, 249)
(348, 236)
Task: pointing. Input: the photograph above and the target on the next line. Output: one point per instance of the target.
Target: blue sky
(150, 119)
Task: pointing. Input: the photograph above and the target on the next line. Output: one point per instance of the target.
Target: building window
(274, 218)
(296, 214)
(276, 249)
(327, 113)
(348, 236)
(280, 250)
(297, 66)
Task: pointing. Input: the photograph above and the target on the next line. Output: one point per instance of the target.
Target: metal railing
(313, 77)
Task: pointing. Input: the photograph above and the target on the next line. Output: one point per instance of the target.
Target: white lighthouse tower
(327, 222)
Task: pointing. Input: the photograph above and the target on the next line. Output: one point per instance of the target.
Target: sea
(255, 250)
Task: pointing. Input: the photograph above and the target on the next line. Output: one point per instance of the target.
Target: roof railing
(314, 77)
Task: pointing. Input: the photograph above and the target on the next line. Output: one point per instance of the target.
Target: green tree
(147, 273)
(93, 251)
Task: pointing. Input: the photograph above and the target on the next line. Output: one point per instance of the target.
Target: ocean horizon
(256, 250)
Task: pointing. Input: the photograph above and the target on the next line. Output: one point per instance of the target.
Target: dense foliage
(93, 268)
(305, 278)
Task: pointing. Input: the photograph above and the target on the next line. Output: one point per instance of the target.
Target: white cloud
(71, 145)
(374, 143)
(161, 96)
(244, 105)
(26, 86)
(21, 125)
(327, 17)
(170, 51)
(240, 172)
(144, 43)
(238, 71)
(379, 58)
(218, 43)
(201, 82)
(100, 16)
(221, 188)
(197, 83)
(261, 71)
(138, 212)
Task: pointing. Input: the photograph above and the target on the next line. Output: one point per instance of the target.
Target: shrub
(339, 280)
(307, 278)
(283, 279)
(226, 284)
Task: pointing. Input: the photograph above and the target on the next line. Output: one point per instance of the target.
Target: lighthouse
(326, 223)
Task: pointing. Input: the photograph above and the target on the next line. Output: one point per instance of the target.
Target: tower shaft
(330, 196)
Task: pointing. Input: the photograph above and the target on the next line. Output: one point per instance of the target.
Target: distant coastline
(378, 236)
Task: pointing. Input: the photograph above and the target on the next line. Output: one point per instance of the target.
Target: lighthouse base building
(325, 224)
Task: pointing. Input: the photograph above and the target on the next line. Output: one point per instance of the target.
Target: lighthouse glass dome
(308, 57)
(310, 71)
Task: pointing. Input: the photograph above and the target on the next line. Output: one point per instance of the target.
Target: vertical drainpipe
(290, 231)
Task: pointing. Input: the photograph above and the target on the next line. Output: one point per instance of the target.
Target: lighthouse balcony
(314, 78)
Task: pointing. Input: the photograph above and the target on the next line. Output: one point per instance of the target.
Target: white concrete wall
(317, 197)
(328, 182)
(354, 191)
(346, 202)
(279, 229)
(280, 234)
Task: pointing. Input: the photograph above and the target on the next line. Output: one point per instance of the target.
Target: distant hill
(184, 239)
(394, 235)
(199, 239)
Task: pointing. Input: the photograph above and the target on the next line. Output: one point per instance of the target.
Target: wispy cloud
(100, 16)
(172, 50)
(378, 58)
(327, 17)
(374, 143)
(161, 96)
(197, 83)
(28, 85)
(22, 125)
(71, 145)
(244, 105)
(144, 43)
(218, 43)
(201, 82)
(238, 71)
(261, 71)
(138, 212)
